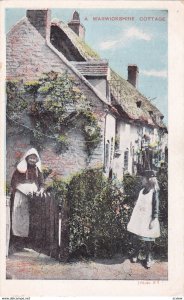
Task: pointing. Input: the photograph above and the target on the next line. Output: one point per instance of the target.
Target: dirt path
(29, 264)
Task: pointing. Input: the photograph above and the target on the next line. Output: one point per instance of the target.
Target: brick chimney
(76, 26)
(41, 20)
(133, 71)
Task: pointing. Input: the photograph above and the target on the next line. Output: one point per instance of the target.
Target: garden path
(29, 264)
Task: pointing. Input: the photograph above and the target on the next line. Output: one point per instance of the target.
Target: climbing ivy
(16, 103)
(54, 103)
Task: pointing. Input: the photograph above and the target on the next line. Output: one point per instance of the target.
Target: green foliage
(91, 130)
(100, 210)
(59, 190)
(55, 102)
(132, 186)
(89, 53)
(62, 138)
(163, 194)
(84, 191)
(46, 171)
(96, 214)
(32, 86)
(15, 100)
(62, 143)
(161, 245)
(44, 89)
(37, 138)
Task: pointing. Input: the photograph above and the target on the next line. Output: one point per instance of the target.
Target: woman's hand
(40, 192)
(152, 223)
(30, 194)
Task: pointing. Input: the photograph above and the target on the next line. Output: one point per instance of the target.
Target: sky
(139, 39)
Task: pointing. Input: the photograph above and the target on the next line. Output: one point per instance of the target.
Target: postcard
(92, 168)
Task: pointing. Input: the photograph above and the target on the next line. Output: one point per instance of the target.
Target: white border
(174, 285)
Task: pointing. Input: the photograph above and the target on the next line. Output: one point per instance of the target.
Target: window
(126, 155)
(112, 150)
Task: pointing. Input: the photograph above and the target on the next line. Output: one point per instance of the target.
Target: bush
(132, 186)
(96, 221)
(99, 211)
(59, 189)
(161, 244)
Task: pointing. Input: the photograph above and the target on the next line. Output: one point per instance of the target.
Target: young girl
(26, 180)
(144, 224)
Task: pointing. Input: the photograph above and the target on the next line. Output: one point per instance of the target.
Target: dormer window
(150, 112)
(138, 103)
(161, 117)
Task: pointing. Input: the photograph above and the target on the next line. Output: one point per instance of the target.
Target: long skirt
(20, 215)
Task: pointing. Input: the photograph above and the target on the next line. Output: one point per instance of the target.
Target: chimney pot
(133, 71)
(76, 26)
(41, 20)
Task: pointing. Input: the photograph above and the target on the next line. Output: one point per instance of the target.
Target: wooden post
(65, 232)
(54, 227)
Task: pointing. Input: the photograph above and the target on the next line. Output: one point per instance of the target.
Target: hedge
(100, 209)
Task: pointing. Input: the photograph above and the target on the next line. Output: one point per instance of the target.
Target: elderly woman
(26, 180)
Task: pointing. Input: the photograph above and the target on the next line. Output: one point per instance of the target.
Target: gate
(49, 227)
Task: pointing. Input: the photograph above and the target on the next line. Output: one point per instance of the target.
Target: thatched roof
(85, 51)
(134, 105)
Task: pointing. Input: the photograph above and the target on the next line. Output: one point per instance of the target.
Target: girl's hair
(154, 183)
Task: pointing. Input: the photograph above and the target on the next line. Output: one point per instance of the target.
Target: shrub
(161, 244)
(96, 214)
(99, 211)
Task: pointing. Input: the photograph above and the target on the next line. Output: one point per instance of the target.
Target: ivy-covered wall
(55, 116)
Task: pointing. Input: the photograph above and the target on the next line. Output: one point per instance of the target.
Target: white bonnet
(22, 165)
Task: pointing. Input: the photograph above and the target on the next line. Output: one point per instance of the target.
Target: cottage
(127, 132)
